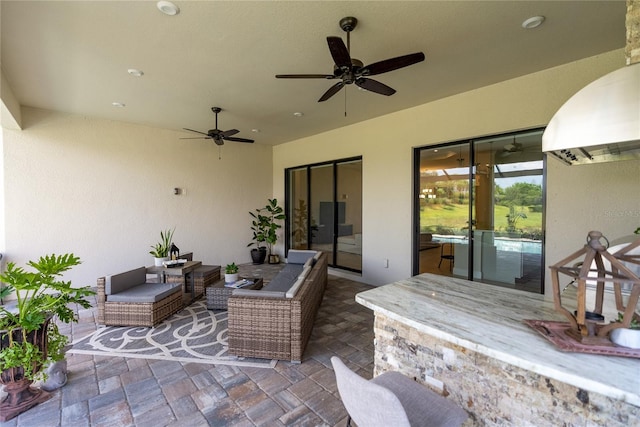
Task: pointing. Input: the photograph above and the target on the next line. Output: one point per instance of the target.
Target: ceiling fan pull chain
(345, 102)
(219, 152)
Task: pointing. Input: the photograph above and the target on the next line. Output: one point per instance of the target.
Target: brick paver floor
(115, 391)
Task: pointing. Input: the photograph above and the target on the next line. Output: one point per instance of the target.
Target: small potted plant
(231, 273)
(626, 337)
(160, 251)
(29, 338)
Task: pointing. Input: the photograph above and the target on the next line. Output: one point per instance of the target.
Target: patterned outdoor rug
(195, 335)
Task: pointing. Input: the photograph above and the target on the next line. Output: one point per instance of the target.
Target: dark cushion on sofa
(147, 292)
(122, 281)
(298, 256)
(285, 278)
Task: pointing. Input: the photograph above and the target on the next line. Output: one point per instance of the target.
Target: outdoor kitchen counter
(476, 318)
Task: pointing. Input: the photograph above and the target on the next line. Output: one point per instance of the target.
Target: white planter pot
(158, 261)
(230, 278)
(625, 337)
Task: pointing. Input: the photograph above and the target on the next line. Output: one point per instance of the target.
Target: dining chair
(392, 399)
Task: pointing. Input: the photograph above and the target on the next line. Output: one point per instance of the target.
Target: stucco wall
(104, 190)
(386, 144)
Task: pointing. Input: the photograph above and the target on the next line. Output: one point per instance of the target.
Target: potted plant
(231, 273)
(160, 251)
(29, 338)
(265, 225)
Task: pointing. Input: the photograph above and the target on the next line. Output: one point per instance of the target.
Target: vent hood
(600, 123)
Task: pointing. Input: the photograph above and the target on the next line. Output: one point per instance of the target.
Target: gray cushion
(257, 293)
(147, 292)
(285, 279)
(123, 281)
(297, 256)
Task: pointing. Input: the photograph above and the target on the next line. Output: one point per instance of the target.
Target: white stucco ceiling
(73, 56)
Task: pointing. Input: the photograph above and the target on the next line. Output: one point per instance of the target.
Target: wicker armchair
(139, 310)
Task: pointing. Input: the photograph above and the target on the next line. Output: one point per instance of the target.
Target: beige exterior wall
(104, 190)
(579, 198)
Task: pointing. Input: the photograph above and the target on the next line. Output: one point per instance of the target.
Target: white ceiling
(73, 56)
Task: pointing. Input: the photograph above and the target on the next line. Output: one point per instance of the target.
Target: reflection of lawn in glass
(455, 217)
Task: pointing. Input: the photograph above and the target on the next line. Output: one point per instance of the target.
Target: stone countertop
(489, 319)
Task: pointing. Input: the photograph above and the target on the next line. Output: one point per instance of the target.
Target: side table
(218, 294)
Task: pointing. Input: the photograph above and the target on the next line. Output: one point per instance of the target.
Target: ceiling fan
(351, 70)
(218, 135)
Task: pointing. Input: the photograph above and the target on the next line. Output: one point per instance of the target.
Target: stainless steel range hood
(600, 123)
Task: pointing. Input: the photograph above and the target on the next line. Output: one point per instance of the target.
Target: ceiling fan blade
(196, 131)
(229, 132)
(339, 52)
(332, 91)
(305, 76)
(375, 86)
(392, 64)
(235, 139)
(198, 137)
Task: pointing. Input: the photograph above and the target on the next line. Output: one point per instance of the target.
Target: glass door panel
(444, 210)
(349, 220)
(322, 215)
(508, 209)
(298, 209)
(479, 207)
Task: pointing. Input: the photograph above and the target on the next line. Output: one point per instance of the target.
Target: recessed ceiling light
(533, 22)
(135, 72)
(118, 104)
(298, 114)
(255, 130)
(168, 8)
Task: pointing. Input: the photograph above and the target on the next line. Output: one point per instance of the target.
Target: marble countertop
(489, 319)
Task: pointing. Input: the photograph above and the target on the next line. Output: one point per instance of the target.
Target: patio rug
(193, 335)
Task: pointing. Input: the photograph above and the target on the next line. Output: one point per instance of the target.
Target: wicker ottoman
(218, 295)
(205, 276)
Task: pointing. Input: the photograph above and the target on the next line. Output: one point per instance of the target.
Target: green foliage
(161, 249)
(231, 268)
(635, 324)
(513, 217)
(21, 354)
(40, 295)
(519, 194)
(264, 224)
(637, 230)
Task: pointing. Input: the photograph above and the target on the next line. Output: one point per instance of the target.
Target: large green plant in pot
(29, 336)
(264, 225)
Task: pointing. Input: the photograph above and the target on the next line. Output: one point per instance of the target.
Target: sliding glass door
(479, 210)
(324, 210)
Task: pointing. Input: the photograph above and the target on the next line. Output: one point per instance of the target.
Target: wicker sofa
(274, 324)
(126, 299)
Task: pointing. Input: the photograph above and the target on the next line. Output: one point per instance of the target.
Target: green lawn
(455, 217)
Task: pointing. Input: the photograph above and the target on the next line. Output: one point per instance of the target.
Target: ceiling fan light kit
(351, 70)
